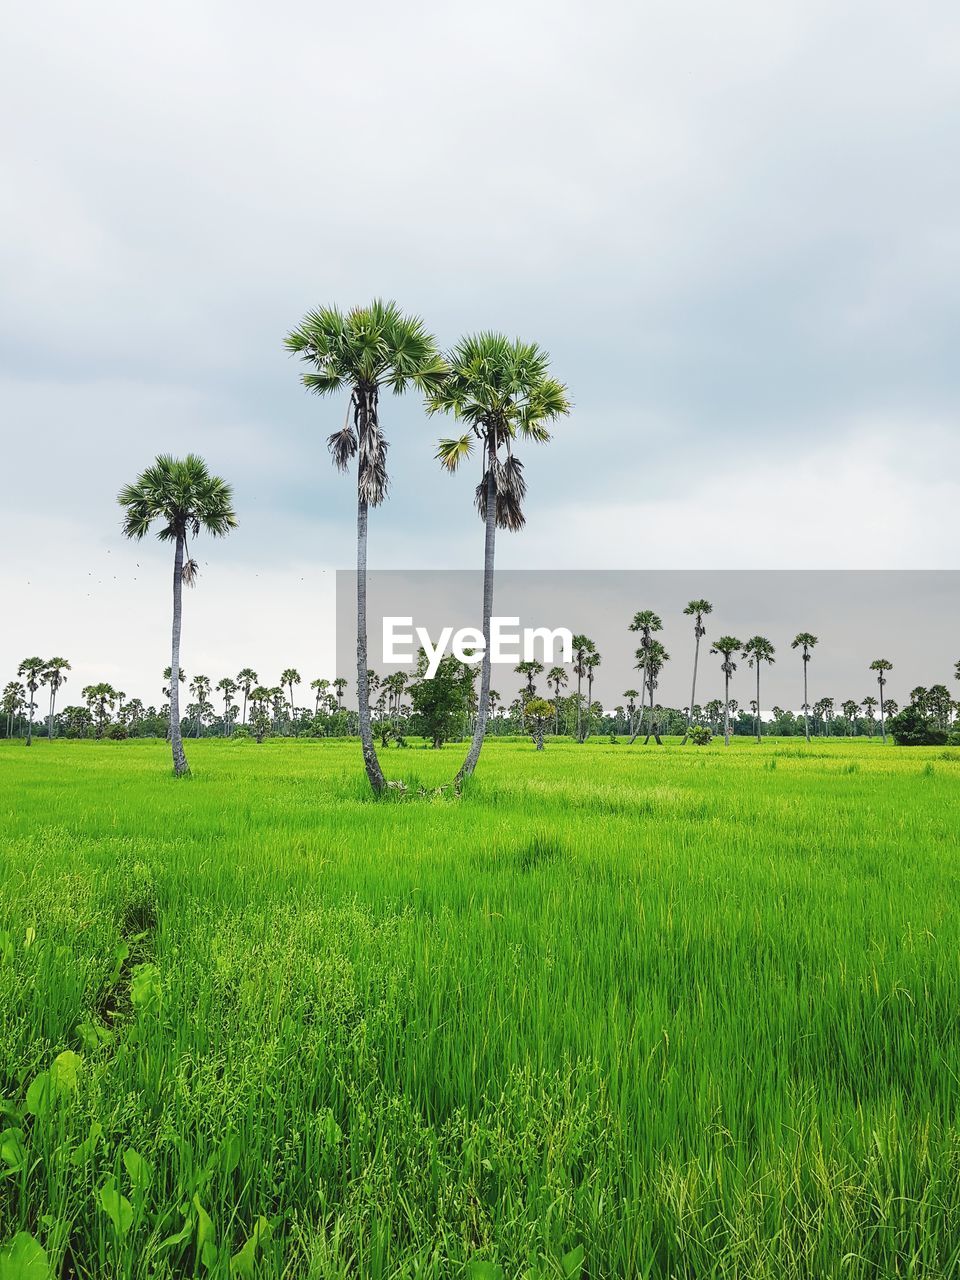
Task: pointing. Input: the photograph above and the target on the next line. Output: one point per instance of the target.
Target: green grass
(696, 1013)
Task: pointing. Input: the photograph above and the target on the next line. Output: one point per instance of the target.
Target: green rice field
(615, 1012)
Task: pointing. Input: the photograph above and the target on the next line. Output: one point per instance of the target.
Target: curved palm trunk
(693, 689)
(806, 702)
(180, 766)
(370, 761)
(489, 550)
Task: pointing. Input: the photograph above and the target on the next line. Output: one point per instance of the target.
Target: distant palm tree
(529, 670)
(31, 672)
(500, 390)
(805, 641)
(320, 688)
(869, 703)
(591, 662)
(851, 710)
(758, 650)
(101, 699)
(647, 623)
(228, 688)
(583, 646)
(246, 679)
(340, 685)
(726, 647)
(698, 610)
(881, 666)
(557, 680)
(890, 709)
(363, 352)
(288, 679)
(14, 701)
(651, 658)
(54, 678)
(631, 696)
(184, 497)
(135, 713)
(200, 688)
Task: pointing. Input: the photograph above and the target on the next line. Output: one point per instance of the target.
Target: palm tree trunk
(30, 693)
(489, 554)
(370, 762)
(693, 689)
(650, 712)
(806, 702)
(180, 766)
(883, 727)
(726, 710)
(758, 700)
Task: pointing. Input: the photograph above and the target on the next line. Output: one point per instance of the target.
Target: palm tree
(340, 685)
(54, 678)
(501, 390)
(805, 641)
(362, 352)
(557, 680)
(31, 671)
(101, 699)
(651, 658)
(758, 650)
(135, 713)
(13, 703)
(246, 679)
(881, 666)
(583, 646)
(228, 688)
(200, 688)
(851, 710)
(726, 647)
(698, 610)
(184, 497)
(590, 662)
(631, 696)
(320, 687)
(868, 705)
(288, 679)
(646, 622)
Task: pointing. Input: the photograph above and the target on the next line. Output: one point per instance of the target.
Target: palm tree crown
(184, 497)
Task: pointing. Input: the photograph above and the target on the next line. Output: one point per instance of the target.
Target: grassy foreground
(616, 1012)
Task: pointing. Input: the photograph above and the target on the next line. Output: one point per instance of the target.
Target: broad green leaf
(40, 1094)
(572, 1263)
(6, 947)
(146, 992)
(93, 1035)
(29, 938)
(242, 1262)
(64, 1072)
(23, 1259)
(120, 955)
(82, 1153)
(12, 1151)
(485, 1271)
(116, 1206)
(139, 1170)
(228, 1156)
(206, 1237)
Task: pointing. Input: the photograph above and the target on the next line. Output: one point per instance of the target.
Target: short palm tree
(631, 696)
(54, 679)
(698, 610)
(182, 495)
(757, 651)
(726, 647)
(101, 699)
(869, 704)
(805, 641)
(363, 352)
(31, 672)
(501, 391)
(320, 687)
(881, 666)
(851, 710)
(340, 685)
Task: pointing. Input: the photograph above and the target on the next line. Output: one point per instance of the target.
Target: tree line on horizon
(500, 391)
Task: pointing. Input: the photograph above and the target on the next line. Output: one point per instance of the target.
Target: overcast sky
(736, 228)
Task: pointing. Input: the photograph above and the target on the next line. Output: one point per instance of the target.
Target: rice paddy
(615, 1012)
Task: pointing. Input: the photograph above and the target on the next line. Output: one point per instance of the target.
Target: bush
(911, 728)
(241, 731)
(700, 735)
(117, 732)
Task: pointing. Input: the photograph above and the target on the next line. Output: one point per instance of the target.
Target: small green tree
(440, 704)
(539, 711)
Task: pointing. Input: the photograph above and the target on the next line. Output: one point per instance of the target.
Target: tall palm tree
(500, 390)
(340, 685)
(805, 641)
(135, 713)
(54, 678)
(362, 352)
(869, 703)
(31, 672)
(726, 647)
(881, 666)
(101, 699)
(651, 658)
(246, 679)
(288, 679)
(698, 610)
(591, 662)
(758, 650)
(184, 497)
(631, 696)
(228, 688)
(320, 687)
(583, 646)
(647, 623)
